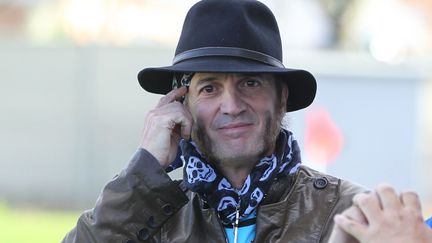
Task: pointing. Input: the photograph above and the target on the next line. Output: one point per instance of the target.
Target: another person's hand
(338, 235)
(165, 125)
(389, 218)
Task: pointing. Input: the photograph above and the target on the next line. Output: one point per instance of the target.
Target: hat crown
(245, 24)
(231, 36)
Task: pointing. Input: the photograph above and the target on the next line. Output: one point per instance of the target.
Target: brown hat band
(228, 51)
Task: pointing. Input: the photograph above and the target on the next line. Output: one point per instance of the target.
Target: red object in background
(323, 139)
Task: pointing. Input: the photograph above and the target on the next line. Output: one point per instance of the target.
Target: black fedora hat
(239, 36)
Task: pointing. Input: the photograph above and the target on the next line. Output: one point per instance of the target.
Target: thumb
(352, 227)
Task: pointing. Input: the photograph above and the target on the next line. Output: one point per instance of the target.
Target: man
(382, 216)
(226, 95)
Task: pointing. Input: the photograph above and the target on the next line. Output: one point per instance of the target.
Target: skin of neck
(237, 175)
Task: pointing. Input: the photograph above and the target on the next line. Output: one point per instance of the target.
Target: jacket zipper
(235, 224)
(221, 225)
(237, 218)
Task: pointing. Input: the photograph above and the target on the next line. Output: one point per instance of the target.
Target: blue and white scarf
(202, 178)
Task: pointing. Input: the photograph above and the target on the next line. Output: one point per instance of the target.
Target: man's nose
(232, 103)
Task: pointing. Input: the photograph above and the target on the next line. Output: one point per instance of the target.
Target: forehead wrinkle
(206, 79)
(249, 74)
(200, 78)
(217, 76)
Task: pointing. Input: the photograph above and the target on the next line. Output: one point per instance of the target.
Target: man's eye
(252, 83)
(207, 89)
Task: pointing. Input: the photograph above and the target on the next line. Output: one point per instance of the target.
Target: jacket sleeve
(132, 207)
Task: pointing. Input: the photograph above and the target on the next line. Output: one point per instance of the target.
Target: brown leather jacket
(142, 204)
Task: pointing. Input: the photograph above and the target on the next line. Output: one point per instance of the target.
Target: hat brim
(301, 84)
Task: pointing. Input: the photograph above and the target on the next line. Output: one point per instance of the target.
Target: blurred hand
(338, 235)
(390, 218)
(165, 125)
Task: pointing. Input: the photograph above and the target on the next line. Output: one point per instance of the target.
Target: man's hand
(389, 218)
(165, 125)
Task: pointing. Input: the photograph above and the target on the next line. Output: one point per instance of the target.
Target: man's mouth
(235, 130)
(235, 125)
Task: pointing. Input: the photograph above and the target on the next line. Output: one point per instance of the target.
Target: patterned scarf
(216, 190)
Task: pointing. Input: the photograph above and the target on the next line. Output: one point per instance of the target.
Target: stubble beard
(213, 152)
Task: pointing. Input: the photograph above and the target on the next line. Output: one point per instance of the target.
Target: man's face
(236, 116)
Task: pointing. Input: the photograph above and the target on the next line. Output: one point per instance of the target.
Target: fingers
(164, 126)
(386, 205)
(356, 214)
(172, 96)
(338, 235)
(390, 217)
(177, 118)
(369, 204)
(350, 226)
(411, 200)
(411, 209)
(174, 115)
(388, 197)
(351, 223)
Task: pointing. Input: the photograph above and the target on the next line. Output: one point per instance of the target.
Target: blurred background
(71, 109)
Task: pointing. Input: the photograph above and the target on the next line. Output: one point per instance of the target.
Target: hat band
(228, 52)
